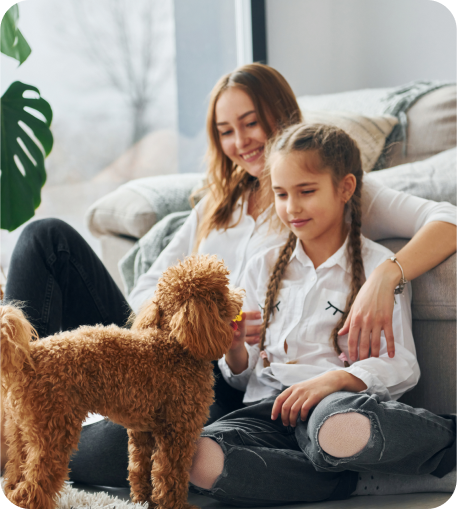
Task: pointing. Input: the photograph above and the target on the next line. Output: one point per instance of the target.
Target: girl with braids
(339, 419)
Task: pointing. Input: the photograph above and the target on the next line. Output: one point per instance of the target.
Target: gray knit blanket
(169, 195)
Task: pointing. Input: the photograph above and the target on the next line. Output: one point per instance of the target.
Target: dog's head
(196, 302)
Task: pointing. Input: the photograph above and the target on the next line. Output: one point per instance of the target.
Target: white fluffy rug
(72, 498)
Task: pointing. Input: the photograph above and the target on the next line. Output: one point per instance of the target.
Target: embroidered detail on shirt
(276, 306)
(330, 305)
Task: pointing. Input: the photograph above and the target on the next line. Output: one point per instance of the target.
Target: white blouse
(386, 213)
(309, 305)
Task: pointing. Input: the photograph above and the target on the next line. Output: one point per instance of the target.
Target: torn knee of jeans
(226, 451)
(375, 438)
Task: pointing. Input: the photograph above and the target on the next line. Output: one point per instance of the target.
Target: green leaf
(12, 42)
(21, 194)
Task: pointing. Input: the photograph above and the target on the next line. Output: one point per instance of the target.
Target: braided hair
(340, 155)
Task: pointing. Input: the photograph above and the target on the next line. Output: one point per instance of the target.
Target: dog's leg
(45, 469)
(16, 456)
(170, 469)
(141, 448)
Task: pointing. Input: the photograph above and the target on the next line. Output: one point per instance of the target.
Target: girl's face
(242, 138)
(306, 200)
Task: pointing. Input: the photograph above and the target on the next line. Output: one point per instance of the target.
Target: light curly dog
(155, 379)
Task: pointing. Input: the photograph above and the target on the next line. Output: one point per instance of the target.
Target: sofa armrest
(133, 208)
(114, 247)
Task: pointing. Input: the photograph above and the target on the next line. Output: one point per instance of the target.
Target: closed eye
(308, 191)
(252, 124)
(224, 133)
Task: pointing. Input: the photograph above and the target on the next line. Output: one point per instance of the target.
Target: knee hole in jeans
(346, 434)
(207, 464)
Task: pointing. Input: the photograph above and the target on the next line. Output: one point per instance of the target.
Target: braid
(355, 255)
(273, 287)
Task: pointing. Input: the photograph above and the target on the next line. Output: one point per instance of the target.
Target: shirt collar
(340, 257)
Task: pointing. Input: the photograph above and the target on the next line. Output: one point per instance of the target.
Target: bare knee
(343, 435)
(207, 464)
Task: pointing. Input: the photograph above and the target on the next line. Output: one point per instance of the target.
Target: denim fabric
(264, 465)
(404, 440)
(267, 463)
(61, 281)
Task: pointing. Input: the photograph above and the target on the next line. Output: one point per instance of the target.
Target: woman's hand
(252, 331)
(300, 398)
(372, 312)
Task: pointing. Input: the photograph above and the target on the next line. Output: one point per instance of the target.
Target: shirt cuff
(373, 383)
(239, 381)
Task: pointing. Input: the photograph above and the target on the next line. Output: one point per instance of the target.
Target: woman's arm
(389, 213)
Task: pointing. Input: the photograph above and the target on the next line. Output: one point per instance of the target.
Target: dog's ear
(148, 316)
(198, 326)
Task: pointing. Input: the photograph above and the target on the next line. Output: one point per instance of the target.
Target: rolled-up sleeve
(241, 380)
(388, 213)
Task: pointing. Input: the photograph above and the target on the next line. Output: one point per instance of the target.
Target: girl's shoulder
(373, 254)
(264, 261)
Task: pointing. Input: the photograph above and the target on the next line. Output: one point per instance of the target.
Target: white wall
(326, 46)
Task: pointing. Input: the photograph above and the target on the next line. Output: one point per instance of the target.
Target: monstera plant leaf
(26, 141)
(12, 42)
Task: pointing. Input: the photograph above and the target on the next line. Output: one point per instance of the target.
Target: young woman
(64, 284)
(335, 416)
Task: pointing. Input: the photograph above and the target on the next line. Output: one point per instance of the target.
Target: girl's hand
(252, 331)
(237, 356)
(239, 335)
(372, 312)
(300, 398)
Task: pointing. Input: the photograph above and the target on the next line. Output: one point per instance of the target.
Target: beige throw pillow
(370, 133)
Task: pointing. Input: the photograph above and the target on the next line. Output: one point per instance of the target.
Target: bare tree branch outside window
(123, 40)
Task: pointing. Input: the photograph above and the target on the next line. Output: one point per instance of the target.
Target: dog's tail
(16, 334)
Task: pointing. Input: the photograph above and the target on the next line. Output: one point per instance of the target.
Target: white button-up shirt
(310, 303)
(386, 213)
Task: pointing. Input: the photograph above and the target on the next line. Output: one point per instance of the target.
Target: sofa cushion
(434, 178)
(431, 127)
(121, 212)
(370, 133)
(134, 207)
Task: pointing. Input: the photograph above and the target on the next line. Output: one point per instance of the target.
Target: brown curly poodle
(155, 379)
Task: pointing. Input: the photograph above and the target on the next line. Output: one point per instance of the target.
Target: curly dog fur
(155, 379)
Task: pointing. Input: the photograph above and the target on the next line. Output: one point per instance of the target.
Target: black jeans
(63, 284)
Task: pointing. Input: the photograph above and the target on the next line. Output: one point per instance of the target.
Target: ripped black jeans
(267, 463)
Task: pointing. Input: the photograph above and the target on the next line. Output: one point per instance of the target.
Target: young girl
(335, 416)
(64, 284)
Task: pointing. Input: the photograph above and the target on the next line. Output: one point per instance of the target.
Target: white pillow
(370, 133)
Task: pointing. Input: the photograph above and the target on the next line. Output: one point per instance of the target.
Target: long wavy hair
(276, 107)
(340, 156)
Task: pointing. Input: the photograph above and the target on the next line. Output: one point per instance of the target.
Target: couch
(422, 163)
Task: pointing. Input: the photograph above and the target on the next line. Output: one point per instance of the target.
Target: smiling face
(307, 201)
(241, 136)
